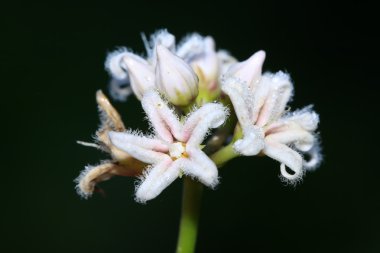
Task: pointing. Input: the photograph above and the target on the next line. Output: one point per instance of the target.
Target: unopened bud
(141, 74)
(175, 78)
(248, 71)
(208, 64)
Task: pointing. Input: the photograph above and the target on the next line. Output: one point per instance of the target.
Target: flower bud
(248, 71)
(141, 74)
(175, 78)
(208, 64)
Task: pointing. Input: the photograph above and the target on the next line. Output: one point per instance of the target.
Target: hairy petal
(303, 140)
(238, 92)
(280, 90)
(119, 90)
(315, 157)
(305, 118)
(162, 118)
(160, 37)
(197, 125)
(157, 178)
(141, 148)
(287, 157)
(241, 97)
(251, 143)
(114, 64)
(191, 47)
(200, 166)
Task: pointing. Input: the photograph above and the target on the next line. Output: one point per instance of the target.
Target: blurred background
(53, 63)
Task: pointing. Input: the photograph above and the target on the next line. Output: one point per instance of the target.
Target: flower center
(177, 150)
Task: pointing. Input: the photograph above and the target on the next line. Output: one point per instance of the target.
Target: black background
(52, 63)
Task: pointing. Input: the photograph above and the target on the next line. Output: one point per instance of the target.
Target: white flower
(260, 102)
(175, 149)
(175, 78)
(196, 50)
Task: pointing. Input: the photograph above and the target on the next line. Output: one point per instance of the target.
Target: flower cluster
(186, 90)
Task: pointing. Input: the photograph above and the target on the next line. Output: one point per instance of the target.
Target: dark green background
(52, 64)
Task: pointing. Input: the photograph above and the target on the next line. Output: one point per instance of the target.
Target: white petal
(114, 64)
(303, 140)
(200, 166)
(160, 37)
(279, 91)
(119, 90)
(157, 178)
(239, 95)
(315, 157)
(242, 99)
(141, 148)
(164, 121)
(197, 125)
(251, 143)
(305, 118)
(191, 47)
(287, 157)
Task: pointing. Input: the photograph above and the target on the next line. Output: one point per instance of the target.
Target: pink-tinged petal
(162, 118)
(248, 71)
(239, 95)
(201, 167)
(143, 141)
(303, 140)
(258, 99)
(141, 150)
(280, 91)
(287, 157)
(197, 125)
(157, 178)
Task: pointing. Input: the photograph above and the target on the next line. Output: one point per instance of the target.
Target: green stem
(223, 155)
(191, 203)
